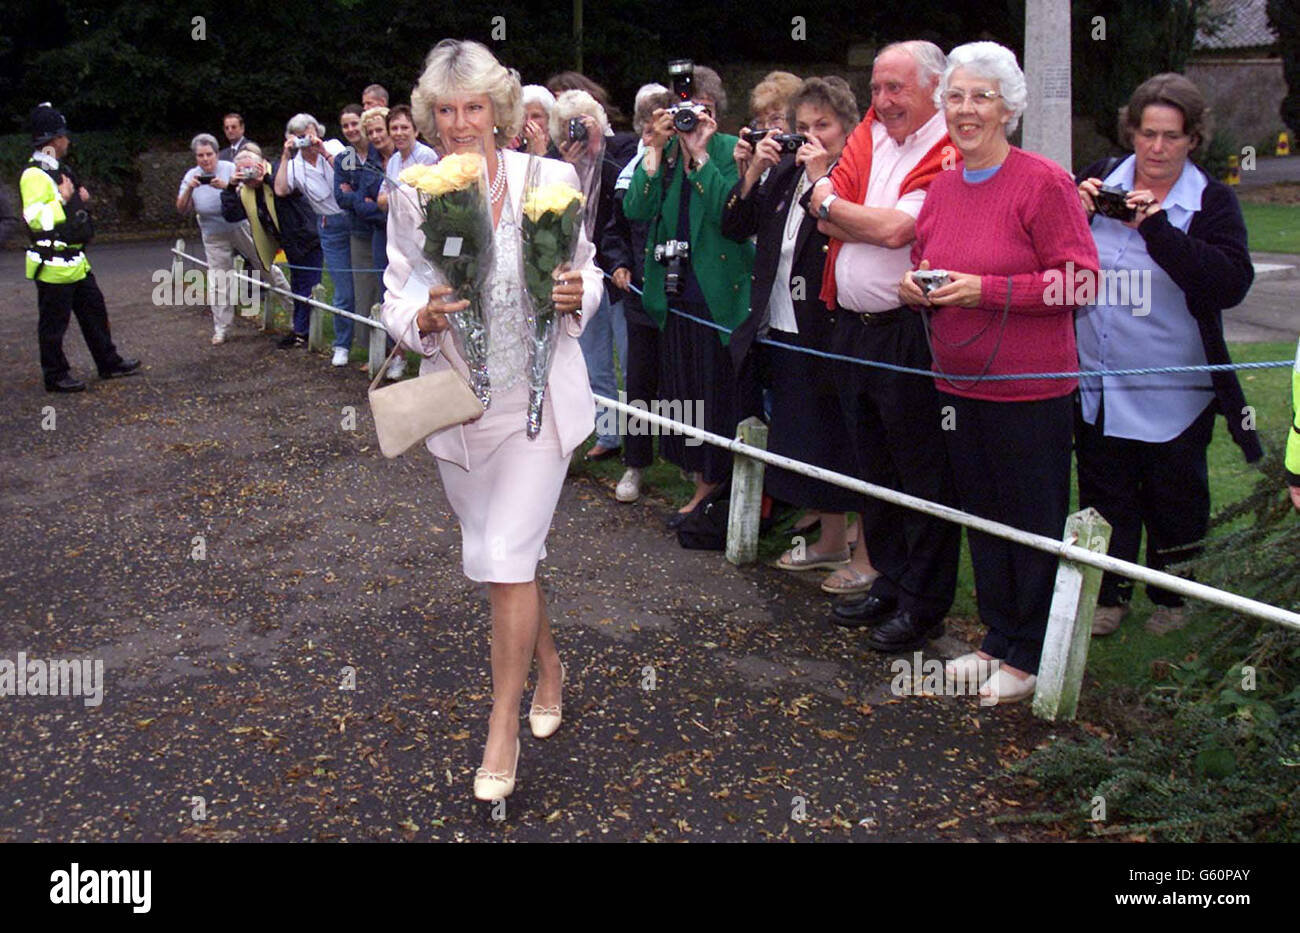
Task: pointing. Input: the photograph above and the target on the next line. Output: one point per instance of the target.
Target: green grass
(1127, 655)
(1273, 228)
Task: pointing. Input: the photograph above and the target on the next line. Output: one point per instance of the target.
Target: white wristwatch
(824, 212)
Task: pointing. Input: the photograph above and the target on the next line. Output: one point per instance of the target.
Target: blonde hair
(457, 66)
(375, 113)
(774, 91)
(572, 104)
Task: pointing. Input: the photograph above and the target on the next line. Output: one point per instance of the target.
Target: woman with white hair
(502, 486)
(535, 137)
(1008, 229)
(579, 129)
(307, 165)
(200, 191)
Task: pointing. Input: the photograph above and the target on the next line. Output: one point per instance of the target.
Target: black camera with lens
(1112, 201)
(790, 142)
(686, 113)
(675, 257)
(577, 130)
(206, 179)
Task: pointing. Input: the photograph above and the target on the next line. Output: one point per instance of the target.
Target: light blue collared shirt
(1140, 319)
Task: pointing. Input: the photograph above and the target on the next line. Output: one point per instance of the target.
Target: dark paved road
(223, 674)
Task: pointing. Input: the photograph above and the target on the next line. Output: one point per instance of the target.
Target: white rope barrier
(1063, 549)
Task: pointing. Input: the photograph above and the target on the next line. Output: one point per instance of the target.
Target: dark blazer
(1211, 264)
(763, 213)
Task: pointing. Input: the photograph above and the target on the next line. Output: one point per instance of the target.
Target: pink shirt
(1024, 226)
(866, 275)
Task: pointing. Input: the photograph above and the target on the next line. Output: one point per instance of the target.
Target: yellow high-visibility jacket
(53, 256)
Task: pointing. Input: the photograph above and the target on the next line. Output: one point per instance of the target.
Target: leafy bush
(1211, 752)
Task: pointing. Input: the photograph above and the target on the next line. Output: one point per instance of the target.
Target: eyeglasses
(955, 98)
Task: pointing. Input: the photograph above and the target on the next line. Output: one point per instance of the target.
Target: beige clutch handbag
(407, 412)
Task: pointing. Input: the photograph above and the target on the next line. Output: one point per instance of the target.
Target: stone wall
(1244, 95)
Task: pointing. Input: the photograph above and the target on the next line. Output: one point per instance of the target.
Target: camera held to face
(1112, 201)
(686, 113)
(301, 142)
(675, 257)
(577, 130)
(788, 142)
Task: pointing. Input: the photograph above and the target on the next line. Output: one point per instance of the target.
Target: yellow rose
(412, 174)
(550, 199)
(461, 170)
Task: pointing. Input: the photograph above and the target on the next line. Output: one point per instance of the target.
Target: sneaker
(1106, 619)
(289, 341)
(218, 336)
(1166, 619)
(629, 487)
(397, 369)
(340, 356)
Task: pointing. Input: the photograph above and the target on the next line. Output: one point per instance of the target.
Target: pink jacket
(568, 393)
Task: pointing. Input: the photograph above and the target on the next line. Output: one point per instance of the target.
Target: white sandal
(969, 669)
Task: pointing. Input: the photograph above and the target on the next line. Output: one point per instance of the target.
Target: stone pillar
(1047, 71)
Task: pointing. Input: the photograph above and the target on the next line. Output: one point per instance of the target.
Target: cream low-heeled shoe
(969, 669)
(1007, 688)
(496, 785)
(544, 720)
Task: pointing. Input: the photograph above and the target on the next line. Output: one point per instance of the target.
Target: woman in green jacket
(680, 188)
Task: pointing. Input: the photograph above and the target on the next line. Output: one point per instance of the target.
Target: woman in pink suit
(503, 486)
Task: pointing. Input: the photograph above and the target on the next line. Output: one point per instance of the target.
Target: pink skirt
(506, 500)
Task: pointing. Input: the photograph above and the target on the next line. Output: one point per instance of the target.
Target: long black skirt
(698, 380)
(807, 425)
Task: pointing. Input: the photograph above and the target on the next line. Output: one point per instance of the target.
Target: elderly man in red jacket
(868, 206)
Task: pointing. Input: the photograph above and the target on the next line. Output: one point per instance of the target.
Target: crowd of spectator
(916, 236)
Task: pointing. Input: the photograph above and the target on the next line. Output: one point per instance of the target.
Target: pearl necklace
(498, 187)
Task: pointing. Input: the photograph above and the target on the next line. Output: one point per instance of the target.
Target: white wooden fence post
(1069, 621)
(378, 342)
(746, 495)
(316, 331)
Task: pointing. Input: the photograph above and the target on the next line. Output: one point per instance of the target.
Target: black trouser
(1164, 487)
(641, 377)
(1011, 461)
(56, 304)
(893, 423)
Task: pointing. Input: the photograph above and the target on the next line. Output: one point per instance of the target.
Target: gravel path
(222, 674)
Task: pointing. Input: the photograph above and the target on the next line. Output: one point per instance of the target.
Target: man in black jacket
(277, 223)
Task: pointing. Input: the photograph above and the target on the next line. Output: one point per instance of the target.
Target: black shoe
(867, 609)
(904, 631)
(65, 383)
(675, 520)
(124, 367)
(291, 341)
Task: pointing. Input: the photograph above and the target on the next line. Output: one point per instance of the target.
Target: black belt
(877, 318)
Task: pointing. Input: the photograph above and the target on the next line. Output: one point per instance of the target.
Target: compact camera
(301, 142)
(206, 179)
(686, 113)
(930, 279)
(1111, 202)
(675, 256)
(577, 130)
(787, 142)
(248, 173)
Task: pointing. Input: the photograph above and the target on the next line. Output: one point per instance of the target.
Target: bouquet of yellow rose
(458, 248)
(552, 219)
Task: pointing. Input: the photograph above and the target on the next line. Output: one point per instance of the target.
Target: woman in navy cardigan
(1167, 274)
(785, 308)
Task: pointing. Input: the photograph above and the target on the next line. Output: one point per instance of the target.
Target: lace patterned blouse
(506, 308)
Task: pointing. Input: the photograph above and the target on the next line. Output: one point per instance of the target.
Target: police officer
(58, 222)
